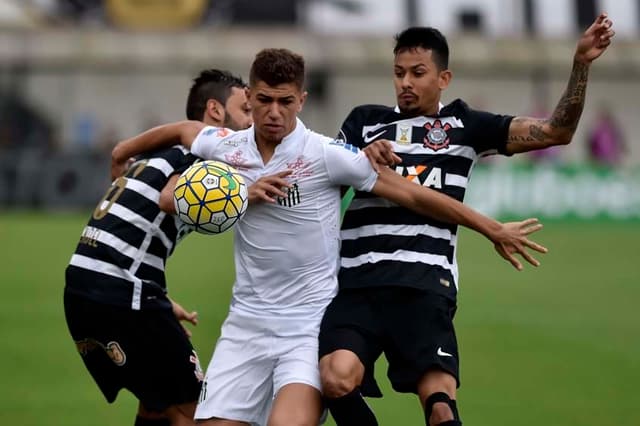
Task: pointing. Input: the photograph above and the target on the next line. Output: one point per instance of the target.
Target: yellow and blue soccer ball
(210, 196)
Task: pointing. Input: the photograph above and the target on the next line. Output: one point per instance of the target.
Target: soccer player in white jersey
(264, 365)
(438, 146)
(116, 305)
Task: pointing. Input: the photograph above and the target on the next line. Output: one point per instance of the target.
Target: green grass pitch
(557, 345)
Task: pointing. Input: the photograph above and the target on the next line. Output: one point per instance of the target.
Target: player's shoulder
(368, 112)
(174, 152)
(455, 107)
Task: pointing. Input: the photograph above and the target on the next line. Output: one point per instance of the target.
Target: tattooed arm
(527, 133)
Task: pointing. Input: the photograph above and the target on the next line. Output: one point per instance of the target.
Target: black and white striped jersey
(384, 244)
(121, 255)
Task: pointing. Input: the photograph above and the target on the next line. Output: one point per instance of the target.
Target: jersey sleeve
(348, 166)
(351, 129)
(178, 159)
(207, 143)
(490, 131)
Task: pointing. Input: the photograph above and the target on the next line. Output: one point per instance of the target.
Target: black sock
(450, 423)
(351, 409)
(145, 421)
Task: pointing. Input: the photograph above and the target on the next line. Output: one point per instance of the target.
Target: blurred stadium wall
(77, 76)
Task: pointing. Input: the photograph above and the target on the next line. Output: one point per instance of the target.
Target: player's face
(274, 109)
(418, 81)
(237, 110)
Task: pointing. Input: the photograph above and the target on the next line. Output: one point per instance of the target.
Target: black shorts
(414, 329)
(146, 352)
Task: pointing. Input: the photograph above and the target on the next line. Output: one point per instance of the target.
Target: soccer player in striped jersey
(398, 277)
(125, 327)
(265, 365)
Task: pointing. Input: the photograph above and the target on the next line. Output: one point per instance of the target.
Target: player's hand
(512, 239)
(381, 152)
(119, 166)
(595, 39)
(267, 188)
(182, 315)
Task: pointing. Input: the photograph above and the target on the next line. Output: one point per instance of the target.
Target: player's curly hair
(427, 38)
(210, 84)
(277, 66)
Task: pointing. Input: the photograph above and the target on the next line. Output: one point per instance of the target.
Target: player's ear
(215, 110)
(444, 79)
(303, 97)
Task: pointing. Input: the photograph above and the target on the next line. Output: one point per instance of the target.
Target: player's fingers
(506, 255)
(535, 246)
(596, 24)
(371, 156)
(192, 317)
(284, 173)
(514, 261)
(527, 256)
(396, 158)
(531, 229)
(387, 153)
(274, 190)
(277, 181)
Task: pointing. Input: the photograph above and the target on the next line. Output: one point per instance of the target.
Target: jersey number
(116, 189)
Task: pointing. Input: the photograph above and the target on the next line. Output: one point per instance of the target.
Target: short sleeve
(490, 131)
(348, 166)
(206, 143)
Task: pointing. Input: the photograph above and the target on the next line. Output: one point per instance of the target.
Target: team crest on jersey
(436, 137)
(299, 168)
(197, 370)
(116, 353)
(292, 198)
(404, 134)
(236, 159)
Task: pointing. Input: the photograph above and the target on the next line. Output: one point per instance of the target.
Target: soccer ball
(210, 196)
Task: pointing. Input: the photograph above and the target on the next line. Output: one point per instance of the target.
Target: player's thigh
(238, 383)
(350, 337)
(420, 338)
(296, 404)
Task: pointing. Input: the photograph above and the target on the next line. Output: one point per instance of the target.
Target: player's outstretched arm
(509, 239)
(183, 132)
(527, 133)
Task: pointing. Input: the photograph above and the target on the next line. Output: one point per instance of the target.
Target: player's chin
(407, 107)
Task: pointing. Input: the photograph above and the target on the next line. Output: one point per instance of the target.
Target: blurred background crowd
(76, 76)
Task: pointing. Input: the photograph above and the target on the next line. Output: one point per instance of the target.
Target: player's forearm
(433, 204)
(564, 120)
(444, 208)
(156, 138)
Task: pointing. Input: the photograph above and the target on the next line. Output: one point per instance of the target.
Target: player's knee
(440, 409)
(293, 418)
(340, 374)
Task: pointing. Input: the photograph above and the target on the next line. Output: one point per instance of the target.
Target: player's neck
(266, 148)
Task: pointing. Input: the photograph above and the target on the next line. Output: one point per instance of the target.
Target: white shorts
(253, 359)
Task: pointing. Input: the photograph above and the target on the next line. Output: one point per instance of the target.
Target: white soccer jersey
(287, 253)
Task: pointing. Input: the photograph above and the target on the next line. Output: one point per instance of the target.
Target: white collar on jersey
(300, 128)
(440, 106)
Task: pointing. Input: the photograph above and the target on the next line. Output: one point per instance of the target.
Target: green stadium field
(558, 345)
